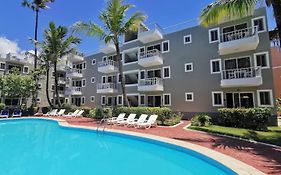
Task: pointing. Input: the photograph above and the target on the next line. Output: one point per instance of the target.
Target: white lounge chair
(141, 119)
(148, 123)
(71, 114)
(60, 113)
(130, 119)
(53, 112)
(114, 120)
(79, 114)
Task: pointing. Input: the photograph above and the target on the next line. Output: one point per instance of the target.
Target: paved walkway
(265, 158)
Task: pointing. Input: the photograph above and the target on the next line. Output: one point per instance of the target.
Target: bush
(100, 113)
(252, 118)
(163, 113)
(200, 120)
(2, 106)
(174, 119)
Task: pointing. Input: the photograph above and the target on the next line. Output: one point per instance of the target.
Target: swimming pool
(42, 147)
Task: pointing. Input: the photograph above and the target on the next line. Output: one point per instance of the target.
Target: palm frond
(91, 29)
(222, 10)
(133, 22)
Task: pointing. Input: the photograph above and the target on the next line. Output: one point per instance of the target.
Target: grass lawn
(272, 136)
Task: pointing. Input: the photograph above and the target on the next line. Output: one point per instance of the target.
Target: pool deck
(265, 158)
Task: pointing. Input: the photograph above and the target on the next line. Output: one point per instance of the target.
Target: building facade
(192, 70)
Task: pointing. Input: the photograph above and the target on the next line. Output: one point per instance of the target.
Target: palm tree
(58, 45)
(232, 9)
(36, 6)
(115, 25)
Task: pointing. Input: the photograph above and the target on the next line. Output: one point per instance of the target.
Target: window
(187, 39)
(84, 65)
(188, 67)
(262, 60)
(142, 100)
(214, 35)
(103, 100)
(215, 66)
(53, 87)
(165, 46)
(92, 98)
(2, 66)
(189, 97)
(120, 100)
(259, 23)
(265, 98)
(83, 82)
(166, 72)
(217, 98)
(167, 99)
(66, 100)
(25, 69)
(93, 61)
(142, 74)
(38, 99)
(93, 80)
(82, 100)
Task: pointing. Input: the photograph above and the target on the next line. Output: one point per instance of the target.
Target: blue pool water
(42, 147)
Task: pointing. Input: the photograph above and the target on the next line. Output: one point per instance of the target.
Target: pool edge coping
(235, 165)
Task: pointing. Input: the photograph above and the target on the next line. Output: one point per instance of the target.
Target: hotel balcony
(244, 77)
(147, 35)
(75, 57)
(238, 41)
(61, 68)
(15, 60)
(107, 67)
(75, 73)
(150, 58)
(61, 80)
(107, 88)
(151, 85)
(75, 91)
(108, 48)
(61, 94)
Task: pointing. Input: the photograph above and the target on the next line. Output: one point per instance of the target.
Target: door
(154, 101)
(240, 100)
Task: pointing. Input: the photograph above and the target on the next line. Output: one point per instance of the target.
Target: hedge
(252, 118)
(163, 113)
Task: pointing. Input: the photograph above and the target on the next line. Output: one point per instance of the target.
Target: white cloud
(8, 46)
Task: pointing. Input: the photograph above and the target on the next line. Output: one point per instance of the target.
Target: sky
(17, 22)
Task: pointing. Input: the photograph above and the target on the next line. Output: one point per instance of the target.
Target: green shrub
(100, 113)
(163, 113)
(252, 118)
(68, 108)
(2, 106)
(200, 120)
(174, 119)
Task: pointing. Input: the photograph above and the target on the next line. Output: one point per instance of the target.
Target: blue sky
(17, 23)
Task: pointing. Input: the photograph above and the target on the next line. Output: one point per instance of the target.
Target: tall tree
(57, 44)
(232, 9)
(116, 24)
(36, 6)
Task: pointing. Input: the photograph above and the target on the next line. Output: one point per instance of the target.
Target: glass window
(82, 100)
(84, 65)
(166, 72)
(119, 100)
(189, 97)
(165, 46)
(187, 39)
(93, 61)
(92, 98)
(262, 60)
(103, 100)
(259, 24)
(142, 75)
(217, 98)
(188, 67)
(83, 82)
(265, 98)
(142, 100)
(2, 66)
(216, 66)
(93, 80)
(213, 35)
(167, 99)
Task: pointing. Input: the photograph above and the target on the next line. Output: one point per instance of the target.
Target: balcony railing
(150, 53)
(238, 34)
(151, 82)
(77, 89)
(103, 86)
(107, 63)
(250, 72)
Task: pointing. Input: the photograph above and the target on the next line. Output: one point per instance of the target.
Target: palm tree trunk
(120, 67)
(56, 85)
(35, 95)
(276, 5)
(47, 87)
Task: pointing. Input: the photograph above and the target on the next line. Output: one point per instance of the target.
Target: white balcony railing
(149, 34)
(150, 58)
(243, 77)
(151, 84)
(238, 41)
(107, 63)
(107, 88)
(108, 66)
(238, 34)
